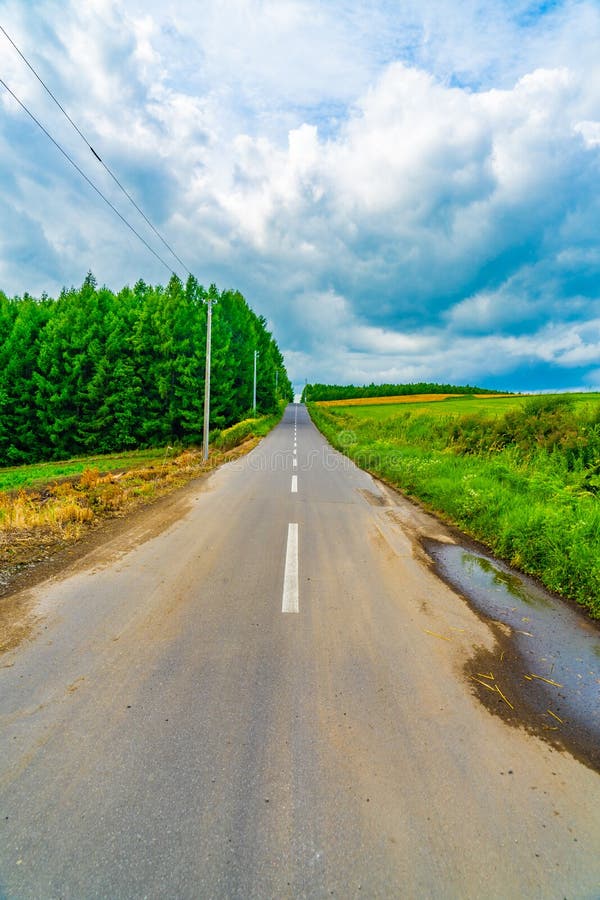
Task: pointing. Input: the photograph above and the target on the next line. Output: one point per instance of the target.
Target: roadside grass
(45, 506)
(525, 482)
(39, 474)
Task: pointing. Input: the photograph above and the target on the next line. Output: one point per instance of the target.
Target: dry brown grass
(31, 510)
(34, 523)
(186, 459)
(89, 478)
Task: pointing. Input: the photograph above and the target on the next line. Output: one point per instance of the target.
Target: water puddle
(546, 674)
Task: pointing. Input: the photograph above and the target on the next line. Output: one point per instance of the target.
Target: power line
(83, 175)
(100, 160)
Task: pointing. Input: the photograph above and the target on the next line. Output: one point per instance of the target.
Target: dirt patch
(372, 498)
(22, 550)
(16, 621)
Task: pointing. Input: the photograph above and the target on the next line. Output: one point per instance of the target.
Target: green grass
(241, 431)
(525, 481)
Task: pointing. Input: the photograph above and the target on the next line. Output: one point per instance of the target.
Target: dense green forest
(94, 371)
(312, 393)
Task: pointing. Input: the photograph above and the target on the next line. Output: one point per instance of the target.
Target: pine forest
(95, 372)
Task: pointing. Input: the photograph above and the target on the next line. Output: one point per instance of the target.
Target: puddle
(548, 666)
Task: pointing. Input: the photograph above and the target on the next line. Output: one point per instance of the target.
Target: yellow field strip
(402, 398)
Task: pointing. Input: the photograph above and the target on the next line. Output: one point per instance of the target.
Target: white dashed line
(294, 484)
(289, 603)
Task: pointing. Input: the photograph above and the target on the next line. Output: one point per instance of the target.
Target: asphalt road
(177, 729)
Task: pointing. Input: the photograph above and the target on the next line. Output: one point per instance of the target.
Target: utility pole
(254, 391)
(209, 301)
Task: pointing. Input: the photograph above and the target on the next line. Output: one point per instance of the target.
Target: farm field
(386, 401)
(521, 474)
(490, 405)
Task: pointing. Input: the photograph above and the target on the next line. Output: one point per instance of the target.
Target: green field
(458, 406)
(520, 473)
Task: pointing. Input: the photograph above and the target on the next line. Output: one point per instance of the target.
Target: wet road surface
(548, 670)
(236, 707)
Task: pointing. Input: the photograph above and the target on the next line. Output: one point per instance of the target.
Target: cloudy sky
(407, 189)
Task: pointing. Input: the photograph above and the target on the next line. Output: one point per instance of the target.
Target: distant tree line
(312, 393)
(94, 371)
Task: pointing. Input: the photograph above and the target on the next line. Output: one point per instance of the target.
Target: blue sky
(406, 190)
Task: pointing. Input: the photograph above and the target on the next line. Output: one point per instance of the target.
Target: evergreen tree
(21, 437)
(70, 350)
(114, 390)
(97, 372)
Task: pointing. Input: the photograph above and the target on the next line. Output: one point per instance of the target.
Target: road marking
(289, 603)
(294, 463)
(294, 484)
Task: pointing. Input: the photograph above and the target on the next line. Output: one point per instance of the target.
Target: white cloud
(590, 131)
(399, 190)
